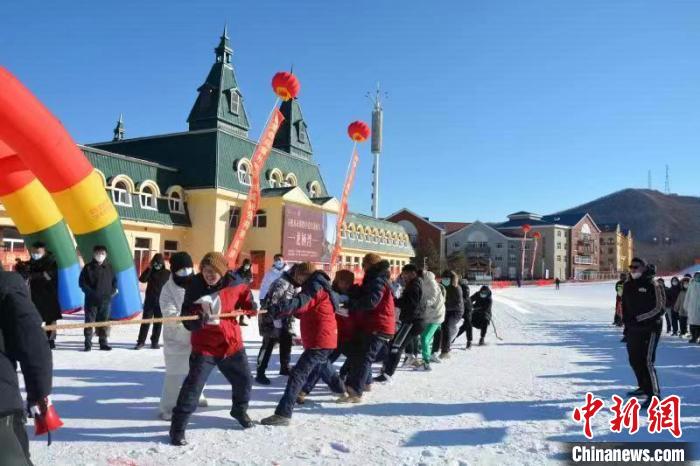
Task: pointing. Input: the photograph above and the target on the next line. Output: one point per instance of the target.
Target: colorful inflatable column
(37, 218)
(49, 152)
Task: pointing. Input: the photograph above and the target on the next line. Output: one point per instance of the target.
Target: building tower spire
(377, 122)
(119, 129)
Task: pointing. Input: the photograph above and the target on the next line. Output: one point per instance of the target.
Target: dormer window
(244, 170)
(148, 198)
(120, 194)
(235, 102)
(314, 190)
(275, 179)
(301, 134)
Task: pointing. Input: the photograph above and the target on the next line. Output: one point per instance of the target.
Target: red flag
(342, 212)
(257, 162)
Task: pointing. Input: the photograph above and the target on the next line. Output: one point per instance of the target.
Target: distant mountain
(665, 227)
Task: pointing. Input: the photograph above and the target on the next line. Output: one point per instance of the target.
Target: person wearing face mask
(481, 314)
(692, 306)
(99, 283)
(279, 266)
(43, 284)
(643, 306)
(243, 275)
(671, 298)
(434, 296)
(667, 315)
(176, 338)
(454, 310)
(680, 308)
(155, 275)
(215, 342)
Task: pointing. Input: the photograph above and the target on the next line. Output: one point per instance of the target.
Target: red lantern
(358, 131)
(537, 235)
(285, 85)
(526, 228)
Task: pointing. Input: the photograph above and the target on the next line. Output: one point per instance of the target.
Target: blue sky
(494, 106)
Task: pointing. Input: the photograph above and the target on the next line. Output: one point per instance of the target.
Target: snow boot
(241, 415)
(262, 379)
(139, 346)
(155, 346)
(178, 440)
(693, 340)
(434, 358)
(424, 367)
(301, 397)
(351, 397)
(409, 360)
(417, 362)
(444, 356)
(481, 342)
(646, 403)
(276, 420)
(88, 346)
(469, 344)
(203, 402)
(105, 347)
(637, 392)
(368, 387)
(382, 378)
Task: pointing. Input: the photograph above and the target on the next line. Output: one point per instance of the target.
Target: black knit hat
(638, 260)
(179, 261)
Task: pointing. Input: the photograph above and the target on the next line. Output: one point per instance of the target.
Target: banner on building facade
(349, 179)
(257, 162)
(308, 234)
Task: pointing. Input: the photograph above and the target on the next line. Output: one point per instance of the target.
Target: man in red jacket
(315, 307)
(215, 342)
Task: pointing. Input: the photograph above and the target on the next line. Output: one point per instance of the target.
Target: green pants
(426, 340)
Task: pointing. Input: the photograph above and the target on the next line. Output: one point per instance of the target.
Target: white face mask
(186, 272)
(636, 275)
(279, 264)
(37, 255)
(100, 257)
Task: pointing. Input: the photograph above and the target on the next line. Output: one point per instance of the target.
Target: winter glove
(46, 419)
(211, 309)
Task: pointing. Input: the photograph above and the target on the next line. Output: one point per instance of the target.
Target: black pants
(674, 321)
(268, 344)
(641, 349)
(667, 317)
(361, 365)
(447, 332)
(695, 332)
(14, 445)
(406, 333)
(97, 312)
(309, 360)
(325, 372)
(466, 327)
(683, 324)
(150, 312)
(234, 368)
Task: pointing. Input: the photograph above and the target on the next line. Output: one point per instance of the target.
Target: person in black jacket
(43, 283)
(99, 283)
(671, 298)
(454, 310)
(466, 326)
(667, 315)
(411, 318)
(21, 341)
(155, 275)
(481, 314)
(643, 307)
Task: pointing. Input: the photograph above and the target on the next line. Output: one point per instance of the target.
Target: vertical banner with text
(344, 205)
(257, 161)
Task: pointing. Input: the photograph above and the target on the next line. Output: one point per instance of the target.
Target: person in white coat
(176, 338)
(692, 306)
(434, 297)
(279, 266)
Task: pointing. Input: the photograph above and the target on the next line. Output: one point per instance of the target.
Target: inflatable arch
(47, 186)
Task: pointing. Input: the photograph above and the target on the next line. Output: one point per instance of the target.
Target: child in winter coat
(434, 297)
(680, 308)
(481, 315)
(215, 342)
(692, 306)
(315, 306)
(176, 338)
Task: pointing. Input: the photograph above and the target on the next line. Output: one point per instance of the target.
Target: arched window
(290, 180)
(121, 192)
(275, 179)
(260, 219)
(244, 170)
(148, 198)
(314, 189)
(352, 232)
(343, 231)
(175, 203)
(361, 236)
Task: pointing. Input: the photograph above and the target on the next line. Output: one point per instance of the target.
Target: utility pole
(377, 123)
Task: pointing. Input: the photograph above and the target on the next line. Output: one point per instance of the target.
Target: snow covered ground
(508, 402)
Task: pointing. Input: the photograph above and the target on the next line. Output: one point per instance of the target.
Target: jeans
(361, 365)
(466, 327)
(234, 368)
(406, 332)
(97, 312)
(426, 339)
(14, 444)
(150, 312)
(325, 372)
(307, 362)
(641, 350)
(268, 344)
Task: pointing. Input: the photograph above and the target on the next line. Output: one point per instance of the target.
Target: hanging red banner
(342, 212)
(257, 162)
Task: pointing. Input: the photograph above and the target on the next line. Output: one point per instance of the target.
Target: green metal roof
(292, 136)
(162, 216)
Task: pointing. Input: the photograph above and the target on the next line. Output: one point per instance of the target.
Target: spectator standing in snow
(315, 306)
(643, 306)
(279, 266)
(680, 308)
(434, 297)
(667, 315)
(692, 306)
(412, 319)
(21, 341)
(454, 310)
(99, 283)
(215, 342)
(466, 326)
(557, 283)
(276, 330)
(176, 338)
(155, 276)
(43, 283)
(481, 314)
(671, 298)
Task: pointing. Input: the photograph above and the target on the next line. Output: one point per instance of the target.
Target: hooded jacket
(692, 303)
(315, 306)
(482, 305)
(643, 302)
(679, 307)
(222, 339)
(434, 300)
(454, 299)
(374, 302)
(155, 279)
(43, 282)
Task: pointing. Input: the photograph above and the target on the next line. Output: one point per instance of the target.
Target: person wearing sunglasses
(643, 307)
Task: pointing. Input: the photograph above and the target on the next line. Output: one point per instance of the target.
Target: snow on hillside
(508, 402)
